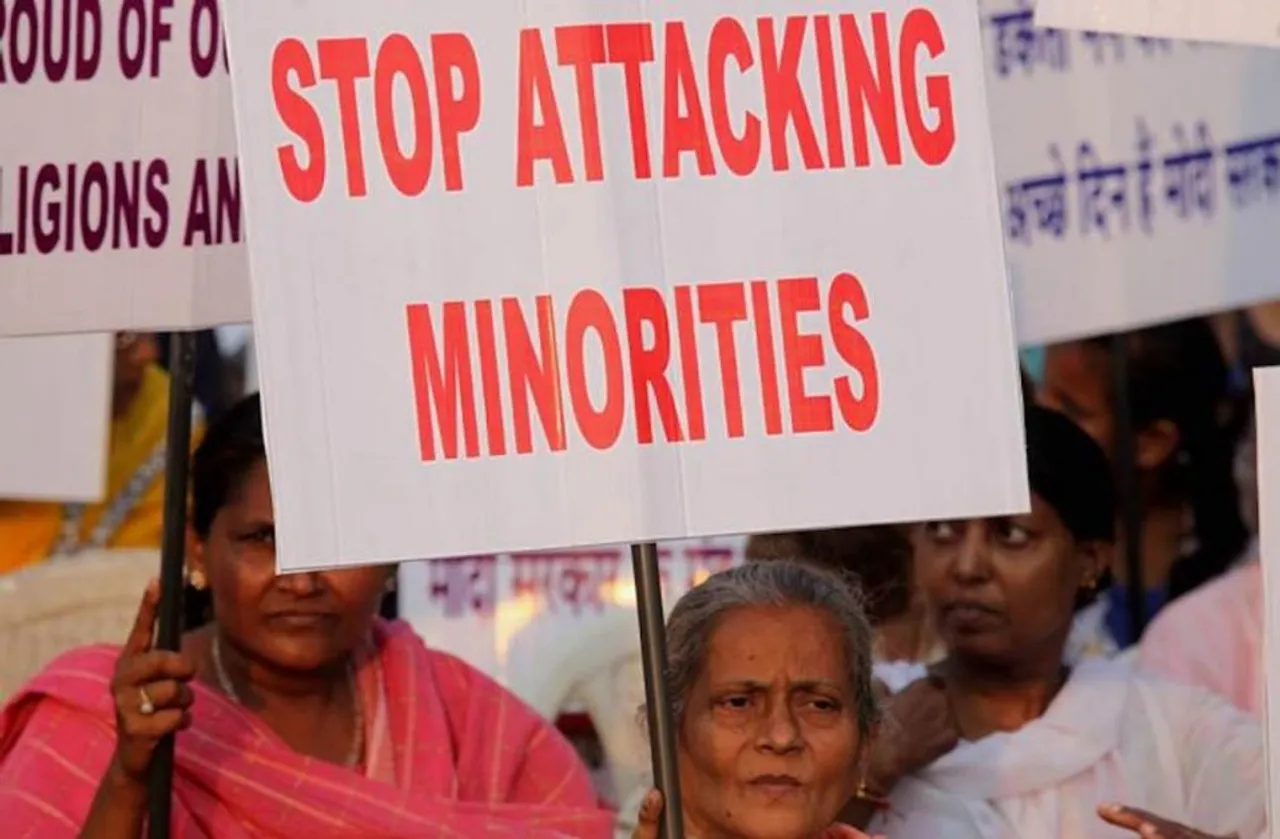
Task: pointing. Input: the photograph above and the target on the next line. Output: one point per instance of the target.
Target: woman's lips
(300, 620)
(776, 786)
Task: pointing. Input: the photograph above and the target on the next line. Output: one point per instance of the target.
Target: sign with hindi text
(546, 276)
(1231, 21)
(1140, 177)
(119, 192)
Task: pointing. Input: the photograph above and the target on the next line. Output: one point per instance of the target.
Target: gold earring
(197, 579)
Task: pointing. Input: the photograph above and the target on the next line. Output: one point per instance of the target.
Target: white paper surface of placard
(1266, 388)
(56, 423)
(1229, 21)
(1140, 178)
(911, 410)
(119, 207)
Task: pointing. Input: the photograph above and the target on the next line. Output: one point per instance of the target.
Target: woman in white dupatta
(1029, 748)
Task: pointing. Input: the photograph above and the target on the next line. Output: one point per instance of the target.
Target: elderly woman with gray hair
(770, 675)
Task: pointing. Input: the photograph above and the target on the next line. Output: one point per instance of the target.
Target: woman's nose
(300, 585)
(780, 731)
(971, 559)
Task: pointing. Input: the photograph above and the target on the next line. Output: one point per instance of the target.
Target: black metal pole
(653, 651)
(1128, 491)
(182, 350)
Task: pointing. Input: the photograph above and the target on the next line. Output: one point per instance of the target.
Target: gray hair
(777, 583)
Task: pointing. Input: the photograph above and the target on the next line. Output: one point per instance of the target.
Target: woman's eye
(826, 706)
(941, 531)
(1016, 536)
(736, 703)
(260, 537)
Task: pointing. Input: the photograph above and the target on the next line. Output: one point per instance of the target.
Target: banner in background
(541, 276)
(119, 195)
(1231, 21)
(541, 623)
(55, 419)
(1140, 177)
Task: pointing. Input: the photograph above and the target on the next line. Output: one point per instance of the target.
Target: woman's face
(297, 622)
(1003, 590)
(1077, 383)
(770, 745)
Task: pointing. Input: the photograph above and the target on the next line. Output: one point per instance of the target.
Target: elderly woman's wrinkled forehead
(760, 587)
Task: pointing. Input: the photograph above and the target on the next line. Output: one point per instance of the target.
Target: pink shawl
(458, 756)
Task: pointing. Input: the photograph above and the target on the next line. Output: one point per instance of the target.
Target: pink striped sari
(452, 754)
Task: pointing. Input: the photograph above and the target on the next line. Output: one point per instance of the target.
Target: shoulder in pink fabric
(1212, 638)
(467, 760)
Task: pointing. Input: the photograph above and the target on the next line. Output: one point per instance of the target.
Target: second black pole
(182, 351)
(653, 651)
(1127, 487)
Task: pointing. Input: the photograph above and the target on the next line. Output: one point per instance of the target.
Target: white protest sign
(1266, 388)
(1140, 177)
(56, 420)
(532, 277)
(119, 202)
(1231, 21)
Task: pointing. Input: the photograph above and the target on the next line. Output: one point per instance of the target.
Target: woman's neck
(259, 686)
(986, 699)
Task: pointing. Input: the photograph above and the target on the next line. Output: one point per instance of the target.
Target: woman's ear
(1157, 443)
(1096, 557)
(196, 574)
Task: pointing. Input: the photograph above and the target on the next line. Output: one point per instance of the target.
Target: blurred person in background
(302, 713)
(879, 559)
(1213, 636)
(1004, 739)
(131, 516)
(1186, 433)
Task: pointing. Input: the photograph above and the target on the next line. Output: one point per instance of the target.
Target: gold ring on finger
(145, 706)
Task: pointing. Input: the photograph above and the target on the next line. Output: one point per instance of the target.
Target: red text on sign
(499, 377)
(444, 110)
(873, 66)
(878, 85)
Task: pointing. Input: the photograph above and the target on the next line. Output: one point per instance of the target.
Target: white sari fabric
(1111, 735)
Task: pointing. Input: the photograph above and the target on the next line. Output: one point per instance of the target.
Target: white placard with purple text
(1140, 177)
(1228, 21)
(499, 311)
(55, 422)
(119, 195)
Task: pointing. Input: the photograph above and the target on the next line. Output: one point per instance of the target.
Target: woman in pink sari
(301, 713)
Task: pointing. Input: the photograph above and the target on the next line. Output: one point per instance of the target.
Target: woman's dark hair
(232, 446)
(1070, 473)
(878, 557)
(1177, 373)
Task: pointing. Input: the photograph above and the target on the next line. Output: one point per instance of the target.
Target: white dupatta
(1110, 735)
